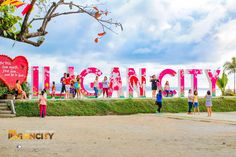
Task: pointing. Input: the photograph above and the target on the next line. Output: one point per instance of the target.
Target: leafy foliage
(231, 68)
(32, 28)
(4, 90)
(8, 21)
(222, 83)
(118, 107)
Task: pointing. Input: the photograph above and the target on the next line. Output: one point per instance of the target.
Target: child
(77, 87)
(105, 87)
(190, 101)
(42, 105)
(208, 103)
(53, 89)
(195, 102)
(72, 90)
(159, 101)
(95, 87)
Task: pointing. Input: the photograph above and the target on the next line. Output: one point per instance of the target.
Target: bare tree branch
(53, 12)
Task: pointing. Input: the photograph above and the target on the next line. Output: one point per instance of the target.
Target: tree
(222, 83)
(231, 68)
(32, 27)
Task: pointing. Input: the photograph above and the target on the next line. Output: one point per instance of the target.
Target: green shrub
(93, 107)
(4, 90)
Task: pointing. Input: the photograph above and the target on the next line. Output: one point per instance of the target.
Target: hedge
(91, 107)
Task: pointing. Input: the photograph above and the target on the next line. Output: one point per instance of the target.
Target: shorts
(63, 88)
(158, 103)
(195, 104)
(154, 88)
(67, 88)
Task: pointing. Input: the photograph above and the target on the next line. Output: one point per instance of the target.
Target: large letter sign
(212, 79)
(83, 74)
(16, 69)
(35, 80)
(46, 78)
(162, 74)
(181, 83)
(71, 71)
(116, 83)
(194, 73)
(134, 82)
(12, 70)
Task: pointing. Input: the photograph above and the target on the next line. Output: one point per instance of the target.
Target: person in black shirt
(154, 82)
(63, 84)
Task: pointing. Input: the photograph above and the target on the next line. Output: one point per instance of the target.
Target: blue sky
(157, 34)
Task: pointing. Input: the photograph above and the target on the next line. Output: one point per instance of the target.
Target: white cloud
(166, 21)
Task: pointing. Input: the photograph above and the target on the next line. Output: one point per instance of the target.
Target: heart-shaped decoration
(12, 70)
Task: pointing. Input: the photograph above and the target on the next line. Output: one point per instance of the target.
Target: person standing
(105, 87)
(159, 101)
(154, 82)
(42, 105)
(67, 85)
(195, 102)
(63, 84)
(190, 101)
(209, 103)
(72, 90)
(53, 90)
(95, 86)
(77, 87)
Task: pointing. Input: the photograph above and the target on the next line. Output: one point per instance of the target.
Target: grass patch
(93, 107)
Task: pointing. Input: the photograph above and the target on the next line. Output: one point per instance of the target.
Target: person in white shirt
(190, 101)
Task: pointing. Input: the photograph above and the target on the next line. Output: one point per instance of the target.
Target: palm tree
(231, 68)
(222, 82)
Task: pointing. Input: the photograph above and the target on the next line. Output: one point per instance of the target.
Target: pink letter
(162, 74)
(35, 80)
(133, 81)
(71, 71)
(194, 73)
(212, 78)
(116, 83)
(181, 83)
(83, 74)
(46, 79)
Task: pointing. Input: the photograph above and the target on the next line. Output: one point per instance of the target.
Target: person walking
(159, 101)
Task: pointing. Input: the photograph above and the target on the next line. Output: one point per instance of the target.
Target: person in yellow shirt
(20, 90)
(195, 102)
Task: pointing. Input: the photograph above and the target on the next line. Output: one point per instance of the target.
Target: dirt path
(119, 136)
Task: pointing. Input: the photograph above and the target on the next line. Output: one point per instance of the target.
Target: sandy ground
(119, 136)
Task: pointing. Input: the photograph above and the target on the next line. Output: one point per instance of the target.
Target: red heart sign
(12, 70)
